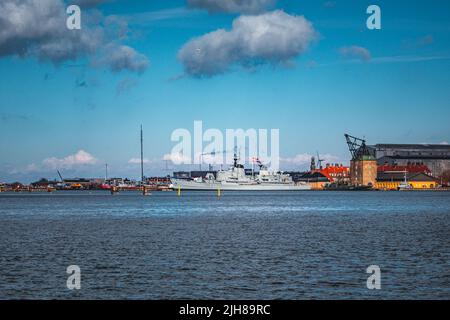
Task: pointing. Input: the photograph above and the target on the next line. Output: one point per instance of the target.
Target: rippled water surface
(270, 245)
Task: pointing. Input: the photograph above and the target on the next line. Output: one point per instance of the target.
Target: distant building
(316, 179)
(43, 183)
(363, 171)
(295, 175)
(392, 180)
(182, 175)
(158, 181)
(336, 172)
(434, 156)
(411, 168)
(363, 165)
(115, 181)
(319, 177)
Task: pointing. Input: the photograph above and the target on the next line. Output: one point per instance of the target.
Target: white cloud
(31, 168)
(232, 6)
(124, 58)
(275, 38)
(299, 159)
(355, 52)
(176, 158)
(305, 159)
(78, 159)
(138, 160)
(32, 28)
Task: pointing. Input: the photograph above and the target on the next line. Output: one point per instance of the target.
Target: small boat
(405, 185)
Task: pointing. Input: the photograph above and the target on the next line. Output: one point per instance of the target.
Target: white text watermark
(212, 146)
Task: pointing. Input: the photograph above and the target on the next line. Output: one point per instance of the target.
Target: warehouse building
(393, 180)
(434, 156)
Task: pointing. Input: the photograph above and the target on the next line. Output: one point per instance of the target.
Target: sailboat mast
(142, 157)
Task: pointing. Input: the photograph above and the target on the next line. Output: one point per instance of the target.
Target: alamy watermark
(374, 20)
(212, 146)
(73, 21)
(374, 280)
(74, 280)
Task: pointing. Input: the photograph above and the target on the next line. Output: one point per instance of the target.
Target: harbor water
(241, 245)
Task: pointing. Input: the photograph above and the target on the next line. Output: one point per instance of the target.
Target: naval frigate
(235, 179)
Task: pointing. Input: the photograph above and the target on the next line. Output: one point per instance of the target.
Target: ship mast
(142, 157)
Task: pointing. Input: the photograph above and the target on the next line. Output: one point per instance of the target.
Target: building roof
(332, 172)
(418, 157)
(313, 177)
(413, 146)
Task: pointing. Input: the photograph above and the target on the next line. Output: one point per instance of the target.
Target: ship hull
(201, 186)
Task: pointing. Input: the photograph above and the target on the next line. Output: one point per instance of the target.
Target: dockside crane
(61, 184)
(357, 147)
(60, 176)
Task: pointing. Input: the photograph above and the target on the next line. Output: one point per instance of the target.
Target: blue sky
(50, 110)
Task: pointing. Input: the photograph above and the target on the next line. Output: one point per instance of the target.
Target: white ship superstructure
(235, 179)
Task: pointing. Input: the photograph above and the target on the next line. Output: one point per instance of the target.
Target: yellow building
(393, 180)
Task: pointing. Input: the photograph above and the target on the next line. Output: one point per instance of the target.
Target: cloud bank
(271, 38)
(78, 159)
(125, 58)
(37, 28)
(138, 160)
(305, 159)
(232, 6)
(176, 158)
